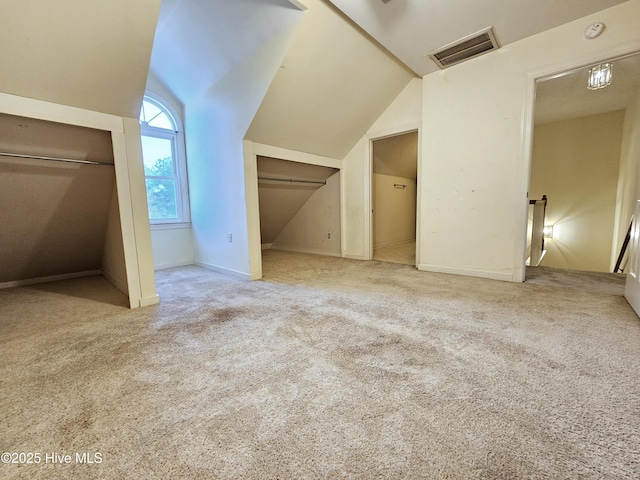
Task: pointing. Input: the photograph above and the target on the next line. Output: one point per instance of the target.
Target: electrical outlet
(230, 237)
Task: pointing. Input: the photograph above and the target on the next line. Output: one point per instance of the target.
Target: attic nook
(67, 196)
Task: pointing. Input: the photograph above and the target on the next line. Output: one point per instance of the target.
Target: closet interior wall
(299, 206)
(60, 219)
(394, 189)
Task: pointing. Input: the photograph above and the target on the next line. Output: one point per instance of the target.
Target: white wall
(476, 140)
(308, 230)
(157, 87)
(172, 247)
(575, 163)
(403, 115)
(216, 124)
(628, 179)
(394, 210)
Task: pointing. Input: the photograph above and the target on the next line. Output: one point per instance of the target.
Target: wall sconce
(547, 231)
(600, 76)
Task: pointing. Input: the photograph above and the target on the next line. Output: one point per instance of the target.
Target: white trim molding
(50, 278)
(226, 271)
(502, 276)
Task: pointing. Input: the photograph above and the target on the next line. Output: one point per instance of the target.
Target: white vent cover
(466, 48)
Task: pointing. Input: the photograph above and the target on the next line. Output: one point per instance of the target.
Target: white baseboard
(267, 246)
(306, 250)
(353, 256)
(148, 301)
(164, 266)
(505, 277)
(225, 271)
(50, 278)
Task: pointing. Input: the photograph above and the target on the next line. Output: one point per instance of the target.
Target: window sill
(170, 226)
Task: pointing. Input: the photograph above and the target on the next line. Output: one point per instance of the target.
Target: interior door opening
(299, 206)
(394, 198)
(581, 162)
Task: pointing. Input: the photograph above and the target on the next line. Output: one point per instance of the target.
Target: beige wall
(628, 179)
(113, 264)
(308, 230)
(55, 218)
(55, 213)
(575, 163)
(394, 210)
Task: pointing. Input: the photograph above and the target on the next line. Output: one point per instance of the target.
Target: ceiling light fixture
(600, 76)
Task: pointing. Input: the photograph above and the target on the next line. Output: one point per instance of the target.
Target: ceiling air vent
(465, 48)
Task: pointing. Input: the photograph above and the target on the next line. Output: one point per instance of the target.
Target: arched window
(164, 163)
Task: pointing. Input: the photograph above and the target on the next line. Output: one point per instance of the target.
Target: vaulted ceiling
(347, 61)
(334, 82)
(410, 29)
(198, 42)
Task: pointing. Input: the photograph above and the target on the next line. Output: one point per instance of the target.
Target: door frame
(139, 283)
(251, 151)
(368, 175)
(527, 132)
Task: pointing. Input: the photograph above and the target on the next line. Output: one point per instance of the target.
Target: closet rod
(55, 159)
(291, 180)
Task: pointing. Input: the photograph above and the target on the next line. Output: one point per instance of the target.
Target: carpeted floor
(326, 368)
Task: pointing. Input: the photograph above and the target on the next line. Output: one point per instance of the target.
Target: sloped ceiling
(397, 156)
(92, 54)
(333, 84)
(199, 42)
(410, 29)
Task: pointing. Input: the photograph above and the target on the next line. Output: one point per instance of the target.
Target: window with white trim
(165, 167)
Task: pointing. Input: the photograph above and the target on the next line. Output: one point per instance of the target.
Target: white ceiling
(410, 29)
(567, 96)
(198, 42)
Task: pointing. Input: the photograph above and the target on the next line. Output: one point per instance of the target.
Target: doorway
(394, 198)
(299, 206)
(581, 161)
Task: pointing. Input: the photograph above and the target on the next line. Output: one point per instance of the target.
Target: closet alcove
(299, 206)
(60, 216)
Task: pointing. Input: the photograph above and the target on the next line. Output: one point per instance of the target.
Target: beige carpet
(327, 368)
